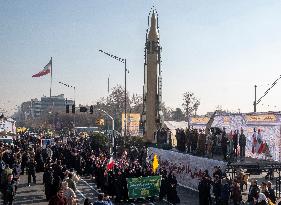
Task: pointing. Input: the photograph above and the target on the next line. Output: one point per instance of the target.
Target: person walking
(48, 181)
(253, 191)
(225, 192)
(31, 169)
(217, 189)
(272, 196)
(58, 199)
(172, 195)
(5, 173)
(9, 191)
(236, 193)
(204, 191)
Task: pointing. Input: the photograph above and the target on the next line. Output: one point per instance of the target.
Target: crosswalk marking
(81, 193)
(90, 186)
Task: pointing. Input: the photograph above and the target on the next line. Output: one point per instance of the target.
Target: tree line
(114, 105)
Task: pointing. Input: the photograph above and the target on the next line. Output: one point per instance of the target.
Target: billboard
(133, 124)
(143, 187)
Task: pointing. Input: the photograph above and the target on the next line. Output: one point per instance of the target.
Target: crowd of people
(220, 190)
(216, 141)
(64, 163)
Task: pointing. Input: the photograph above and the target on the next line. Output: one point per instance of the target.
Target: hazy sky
(217, 49)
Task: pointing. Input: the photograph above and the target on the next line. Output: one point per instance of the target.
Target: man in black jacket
(224, 143)
(242, 144)
(48, 182)
(9, 191)
(204, 191)
(31, 169)
(272, 196)
(253, 191)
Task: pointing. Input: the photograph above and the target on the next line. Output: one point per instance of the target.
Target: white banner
(187, 168)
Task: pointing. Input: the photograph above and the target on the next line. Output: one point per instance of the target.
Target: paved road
(34, 195)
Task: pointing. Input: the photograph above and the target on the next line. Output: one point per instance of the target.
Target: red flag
(110, 164)
(266, 149)
(261, 148)
(47, 69)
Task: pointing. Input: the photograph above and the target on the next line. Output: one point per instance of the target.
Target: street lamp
(112, 126)
(122, 60)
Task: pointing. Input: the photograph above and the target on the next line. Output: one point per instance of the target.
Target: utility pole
(125, 128)
(255, 102)
(122, 60)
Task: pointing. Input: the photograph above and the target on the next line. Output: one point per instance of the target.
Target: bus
(87, 130)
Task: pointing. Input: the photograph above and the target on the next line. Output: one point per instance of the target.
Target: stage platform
(254, 166)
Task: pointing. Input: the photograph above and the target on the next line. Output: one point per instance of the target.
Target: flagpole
(51, 77)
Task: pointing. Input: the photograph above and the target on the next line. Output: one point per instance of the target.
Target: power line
(267, 91)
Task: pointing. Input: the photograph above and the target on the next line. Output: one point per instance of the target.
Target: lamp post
(124, 61)
(113, 143)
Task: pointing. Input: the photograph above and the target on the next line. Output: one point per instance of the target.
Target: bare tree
(136, 103)
(178, 115)
(190, 105)
(167, 112)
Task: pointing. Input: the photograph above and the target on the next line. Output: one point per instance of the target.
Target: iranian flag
(110, 164)
(47, 69)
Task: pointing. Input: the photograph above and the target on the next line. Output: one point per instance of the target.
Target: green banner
(143, 187)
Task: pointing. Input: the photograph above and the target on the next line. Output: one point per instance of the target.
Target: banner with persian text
(187, 168)
(143, 187)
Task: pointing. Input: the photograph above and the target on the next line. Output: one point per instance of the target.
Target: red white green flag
(47, 69)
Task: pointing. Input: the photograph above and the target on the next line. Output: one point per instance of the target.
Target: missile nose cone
(153, 20)
(153, 34)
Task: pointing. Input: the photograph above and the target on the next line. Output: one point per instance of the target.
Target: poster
(133, 124)
(143, 187)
